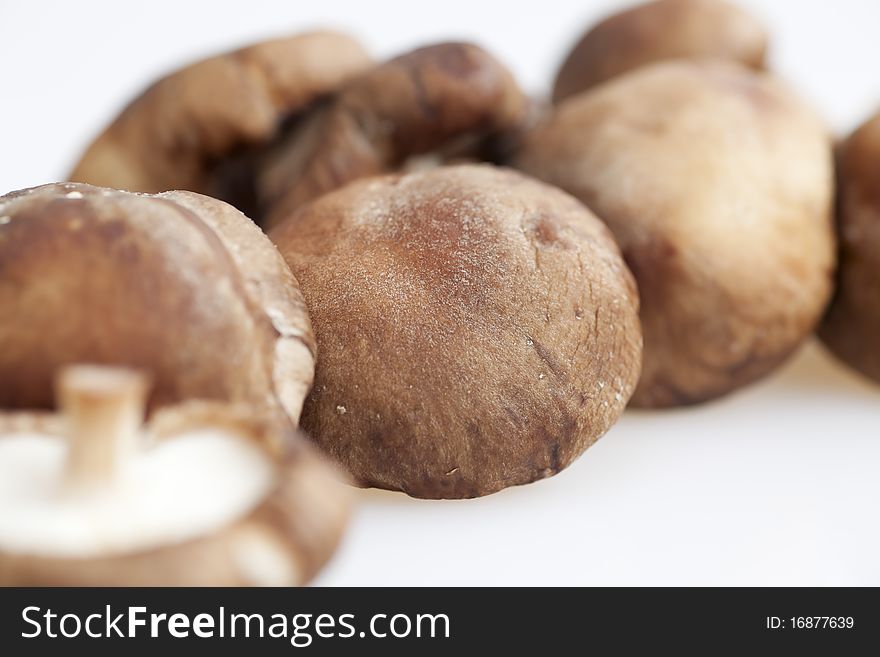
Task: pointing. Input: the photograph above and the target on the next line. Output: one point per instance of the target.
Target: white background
(778, 484)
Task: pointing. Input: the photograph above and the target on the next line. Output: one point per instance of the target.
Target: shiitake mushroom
(851, 329)
(206, 494)
(271, 126)
(180, 285)
(716, 181)
(451, 100)
(477, 329)
(201, 128)
(657, 31)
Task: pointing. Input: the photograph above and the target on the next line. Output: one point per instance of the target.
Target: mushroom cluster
(309, 114)
(448, 282)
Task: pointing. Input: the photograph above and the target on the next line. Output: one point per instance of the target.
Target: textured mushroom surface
(660, 30)
(852, 326)
(180, 131)
(477, 329)
(717, 183)
(180, 285)
(206, 495)
(446, 98)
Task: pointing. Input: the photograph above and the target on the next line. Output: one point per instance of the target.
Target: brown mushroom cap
(659, 30)
(182, 286)
(283, 541)
(717, 183)
(478, 329)
(179, 130)
(851, 329)
(421, 101)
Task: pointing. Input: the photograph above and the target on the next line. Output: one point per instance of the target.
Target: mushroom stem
(103, 408)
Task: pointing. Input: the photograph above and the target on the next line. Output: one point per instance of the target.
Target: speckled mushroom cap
(660, 30)
(446, 97)
(478, 329)
(282, 538)
(851, 329)
(178, 132)
(180, 285)
(717, 183)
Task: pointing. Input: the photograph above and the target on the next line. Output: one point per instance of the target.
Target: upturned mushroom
(478, 329)
(450, 100)
(661, 30)
(717, 183)
(851, 329)
(198, 128)
(203, 495)
(272, 126)
(180, 285)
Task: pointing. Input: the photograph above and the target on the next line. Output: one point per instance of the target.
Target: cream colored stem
(103, 408)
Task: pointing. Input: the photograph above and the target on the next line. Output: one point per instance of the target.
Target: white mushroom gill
(180, 488)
